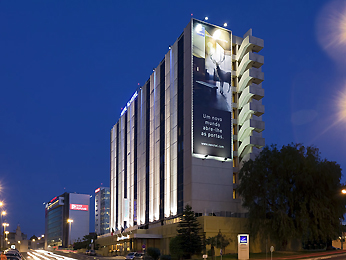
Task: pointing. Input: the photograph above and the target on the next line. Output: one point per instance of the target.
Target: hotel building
(184, 134)
(66, 219)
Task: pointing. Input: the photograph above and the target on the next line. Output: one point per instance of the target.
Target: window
(234, 194)
(234, 81)
(235, 161)
(234, 114)
(234, 49)
(234, 177)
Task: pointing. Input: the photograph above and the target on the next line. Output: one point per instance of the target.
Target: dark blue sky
(68, 67)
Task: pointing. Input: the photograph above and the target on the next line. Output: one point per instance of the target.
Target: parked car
(92, 252)
(139, 256)
(14, 253)
(133, 255)
(13, 256)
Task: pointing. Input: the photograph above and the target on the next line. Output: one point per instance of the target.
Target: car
(92, 252)
(133, 255)
(12, 257)
(12, 252)
(139, 256)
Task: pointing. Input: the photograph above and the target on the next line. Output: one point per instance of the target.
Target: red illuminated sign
(79, 207)
(97, 190)
(52, 199)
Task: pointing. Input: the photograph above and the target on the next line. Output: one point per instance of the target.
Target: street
(44, 255)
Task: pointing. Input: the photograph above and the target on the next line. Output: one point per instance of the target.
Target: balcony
(251, 91)
(250, 43)
(247, 128)
(250, 60)
(248, 143)
(250, 76)
(248, 110)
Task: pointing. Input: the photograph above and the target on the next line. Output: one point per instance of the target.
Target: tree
(33, 237)
(154, 252)
(219, 241)
(188, 240)
(87, 242)
(175, 248)
(292, 194)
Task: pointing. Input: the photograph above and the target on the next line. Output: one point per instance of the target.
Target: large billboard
(212, 92)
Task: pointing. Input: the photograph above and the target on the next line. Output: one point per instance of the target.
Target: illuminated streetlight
(6, 233)
(70, 221)
(3, 213)
(225, 24)
(343, 191)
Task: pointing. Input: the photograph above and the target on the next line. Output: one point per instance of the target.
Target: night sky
(68, 67)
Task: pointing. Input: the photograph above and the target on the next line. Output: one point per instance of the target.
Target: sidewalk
(307, 256)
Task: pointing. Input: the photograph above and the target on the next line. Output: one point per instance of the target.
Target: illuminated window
(234, 194)
(235, 161)
(234, 176)
(234, 130)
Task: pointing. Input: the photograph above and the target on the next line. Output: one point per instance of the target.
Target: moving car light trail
(46, 255)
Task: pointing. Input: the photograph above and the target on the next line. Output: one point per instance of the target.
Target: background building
(183, 135)
(102, 209)
(73, 206)
(17, 239)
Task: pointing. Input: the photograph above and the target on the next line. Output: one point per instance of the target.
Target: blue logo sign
(200, 30)
(243, 239)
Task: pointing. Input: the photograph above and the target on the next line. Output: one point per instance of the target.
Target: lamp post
(5, 225)
(2, 213)
(343, 191)
(5, 232)
(70, 221)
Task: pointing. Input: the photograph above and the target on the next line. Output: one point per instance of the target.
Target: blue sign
(129, 103)
(200, 30)
(243, 239)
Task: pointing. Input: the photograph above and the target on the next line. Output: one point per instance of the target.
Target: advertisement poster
(212, 93)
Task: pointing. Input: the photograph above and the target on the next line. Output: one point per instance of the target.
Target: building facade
(102, 209)
(60, 232)
(184, 134)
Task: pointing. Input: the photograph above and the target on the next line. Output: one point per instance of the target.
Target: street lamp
(70, 221)
(6, 238)
(2, 214)
(343, 191)
(4, 225)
